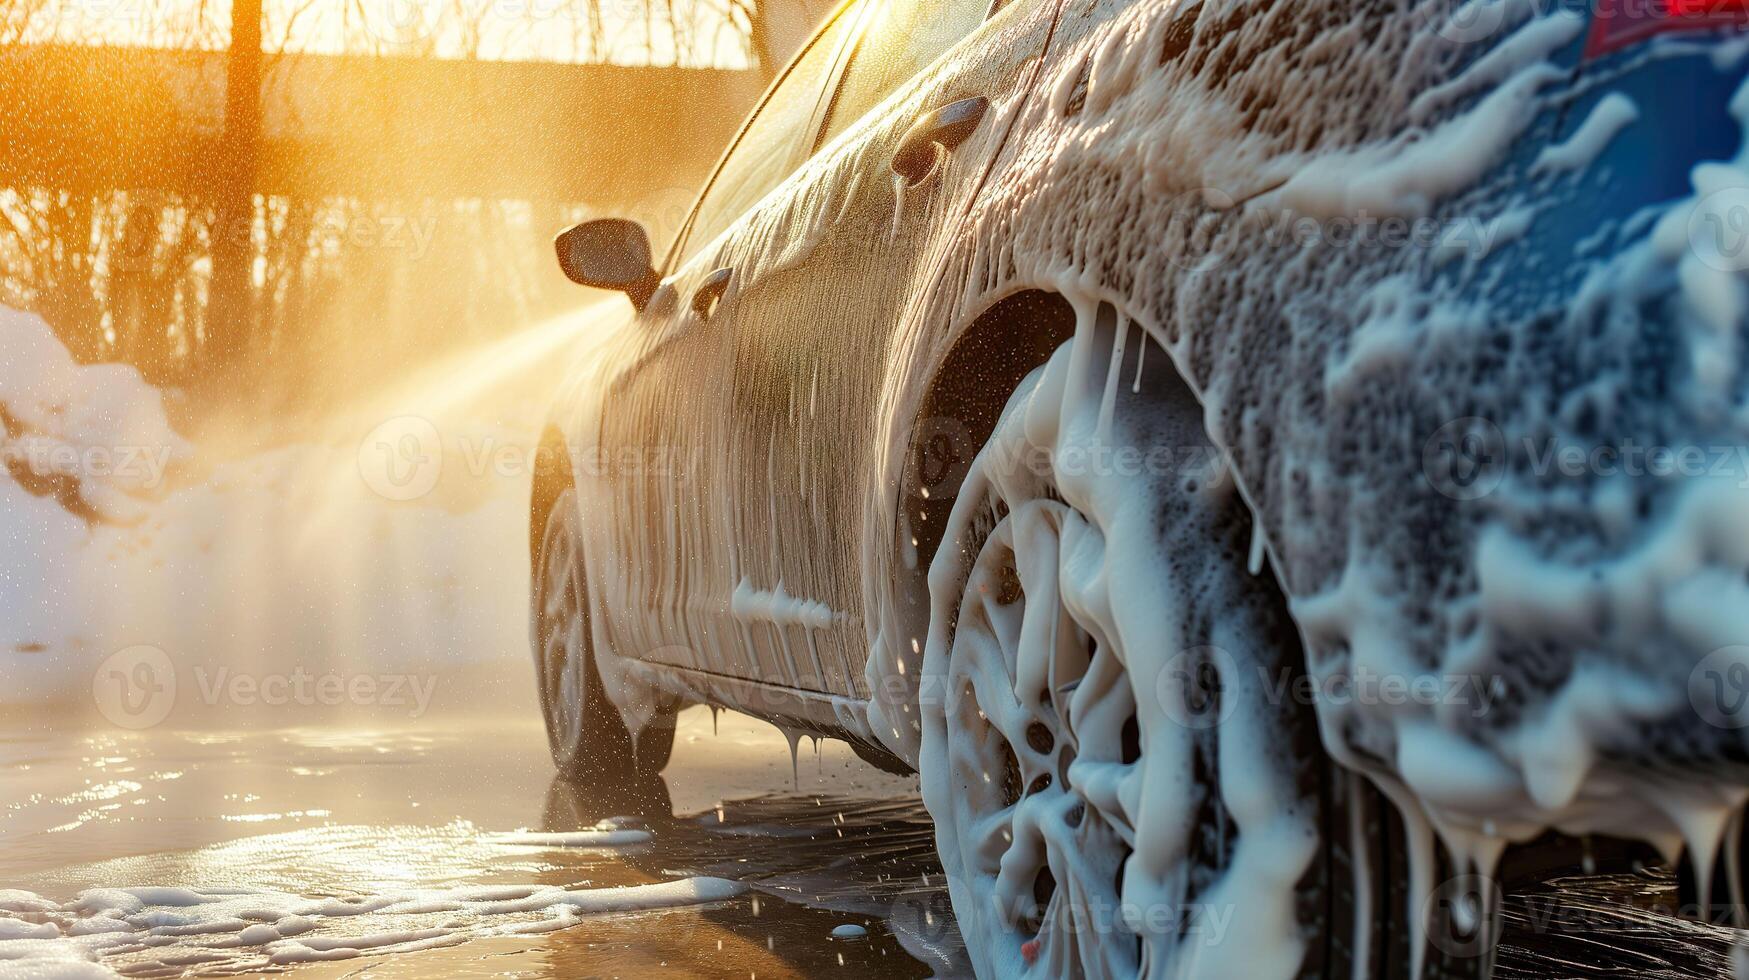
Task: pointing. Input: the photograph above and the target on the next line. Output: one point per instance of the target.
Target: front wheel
(586, 730)
(1120, 787)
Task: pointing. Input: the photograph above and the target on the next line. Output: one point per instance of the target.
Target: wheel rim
(560, 623)
(1096, 629)
(1041, 688)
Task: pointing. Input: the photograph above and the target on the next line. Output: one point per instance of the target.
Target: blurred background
(261, 258)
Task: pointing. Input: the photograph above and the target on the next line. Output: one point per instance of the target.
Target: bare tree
(228, 274)
(755, 27)
(19, 20)
(234, 178)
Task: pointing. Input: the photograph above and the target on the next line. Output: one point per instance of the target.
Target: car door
(666, 578)
(785, 318)
(830, 270)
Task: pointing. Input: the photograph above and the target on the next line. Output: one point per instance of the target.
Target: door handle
(710, 293)
(937, 134)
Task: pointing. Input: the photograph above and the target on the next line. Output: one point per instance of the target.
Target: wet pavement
(407, 840)
(369, 815)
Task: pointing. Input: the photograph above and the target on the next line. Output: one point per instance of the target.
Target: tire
(1119, 788)
(586, 729)
(581, 805)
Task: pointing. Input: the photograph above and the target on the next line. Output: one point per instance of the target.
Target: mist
(302, 497)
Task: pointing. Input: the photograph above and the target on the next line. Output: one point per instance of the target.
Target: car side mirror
(611, 253)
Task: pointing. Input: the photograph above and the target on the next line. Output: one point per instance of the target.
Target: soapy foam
(131, 930)
(1580, 608)
(1079, 559)
(1614, 114)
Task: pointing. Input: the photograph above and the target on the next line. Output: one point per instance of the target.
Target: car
(1271, 469)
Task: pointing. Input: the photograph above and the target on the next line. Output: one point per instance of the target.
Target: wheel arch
(951, 412)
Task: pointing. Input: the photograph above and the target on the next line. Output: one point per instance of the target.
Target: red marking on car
(1620, 23)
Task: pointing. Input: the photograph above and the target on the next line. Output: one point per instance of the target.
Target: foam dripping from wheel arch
(1110, 574)
(1582, 755)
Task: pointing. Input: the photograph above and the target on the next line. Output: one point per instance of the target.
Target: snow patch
(281, 560)
(99, 426)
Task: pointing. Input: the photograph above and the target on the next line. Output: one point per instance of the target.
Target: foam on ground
(105, 931)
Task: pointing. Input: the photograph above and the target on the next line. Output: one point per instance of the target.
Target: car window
(903, 37)
(773, 144)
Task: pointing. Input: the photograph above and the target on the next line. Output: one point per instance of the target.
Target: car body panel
(1329, 369)
(1158, 165)
(737, 552)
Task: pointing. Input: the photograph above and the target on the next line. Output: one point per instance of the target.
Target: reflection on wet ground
(409, 832)
(395, 854)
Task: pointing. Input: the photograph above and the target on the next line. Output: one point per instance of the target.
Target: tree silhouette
(230, 304)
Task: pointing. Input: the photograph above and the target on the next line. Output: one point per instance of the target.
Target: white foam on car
(1102, 558)
(751, 605)
(1614, 114)
(1085, 208)
(1302, 357)
(1403, 178)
